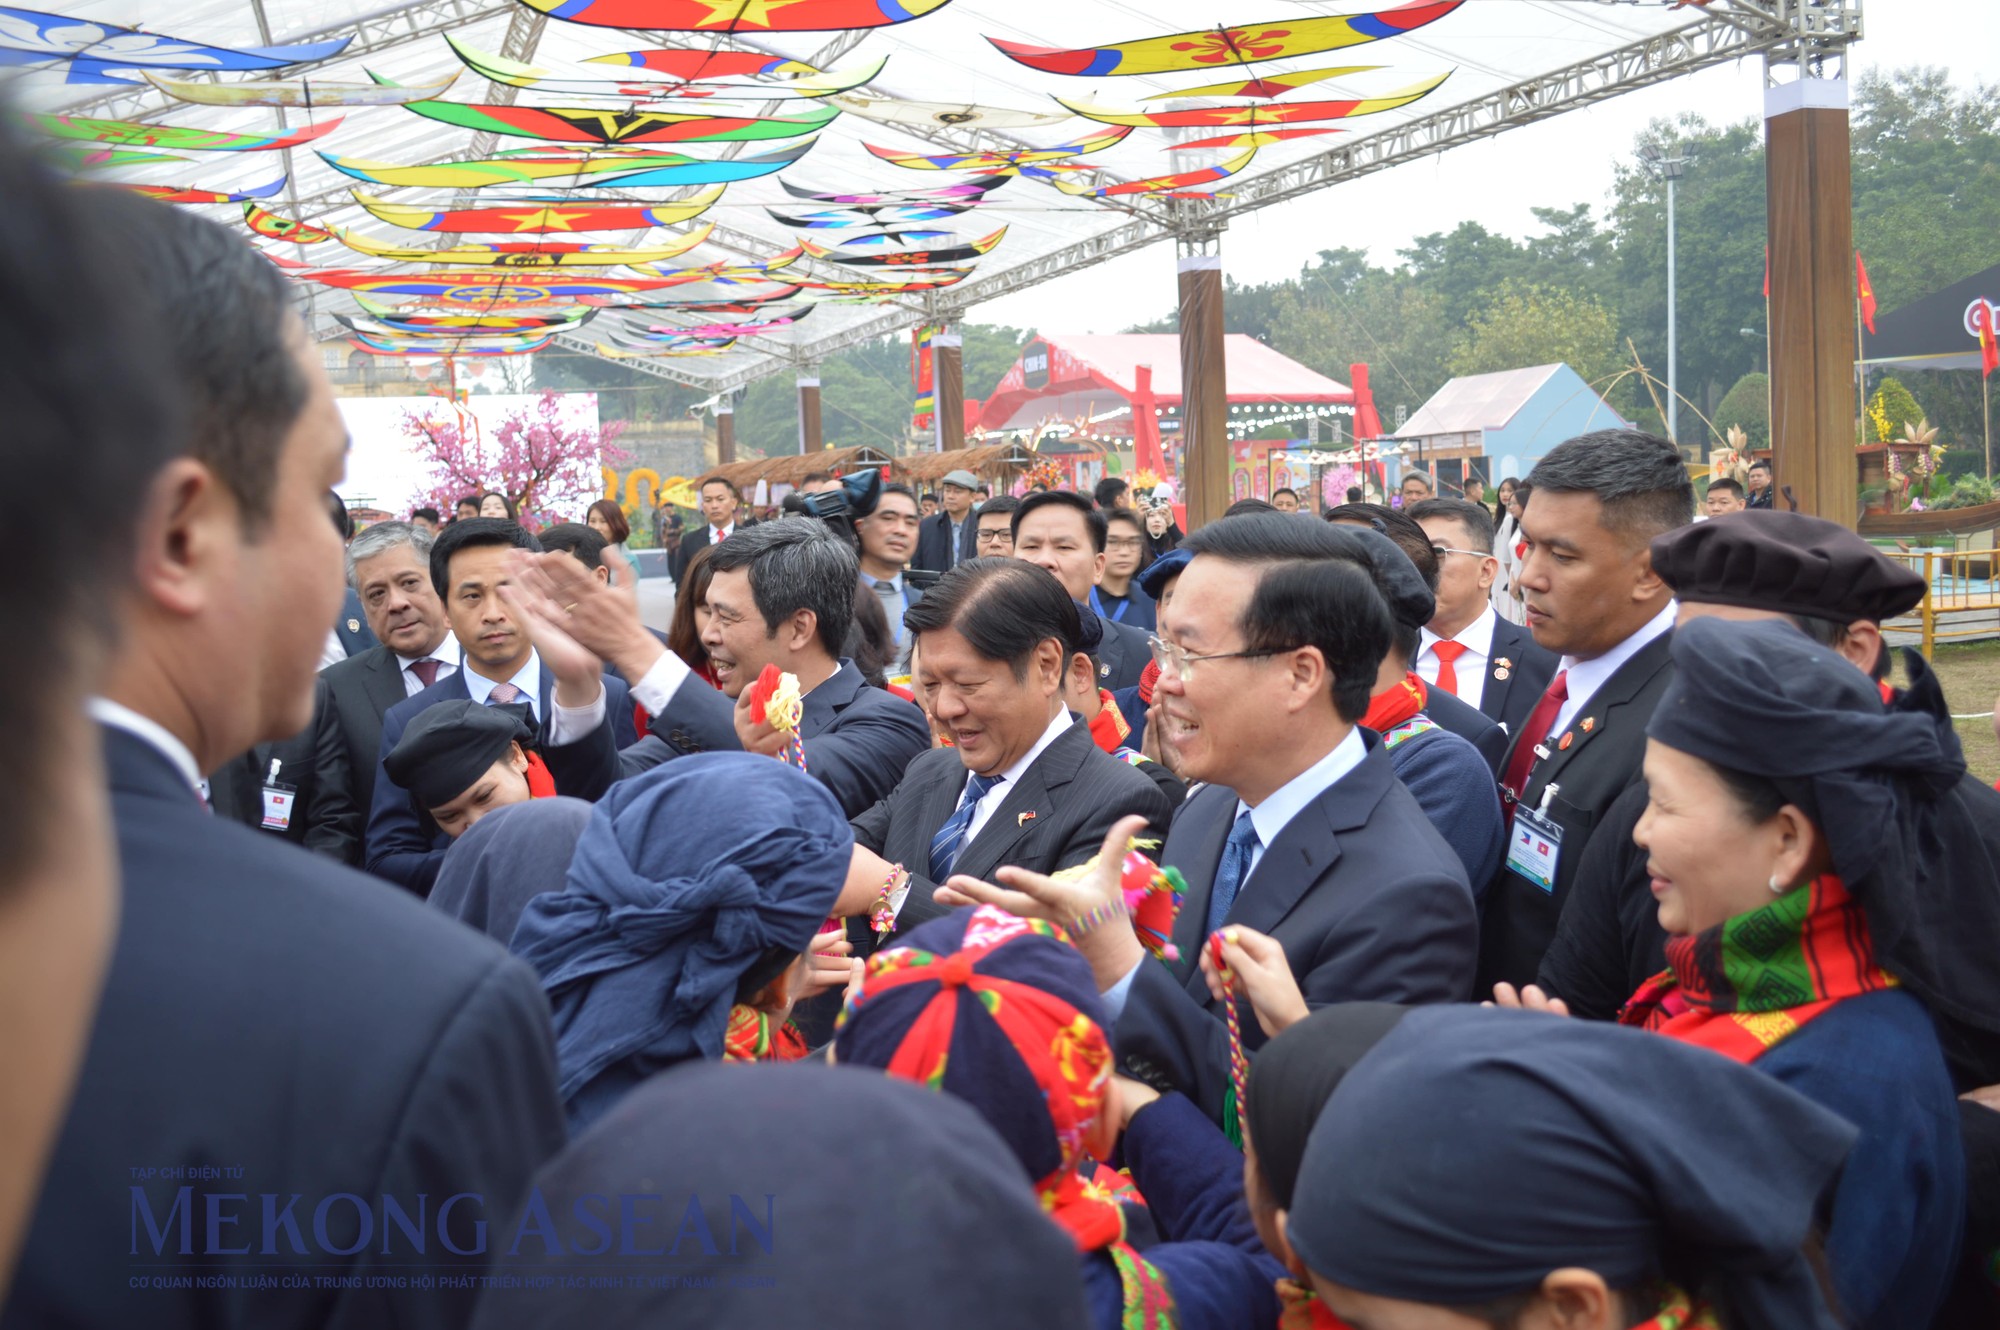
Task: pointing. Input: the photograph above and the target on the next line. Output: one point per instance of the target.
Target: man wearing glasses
(993, 536)
(1468, 650)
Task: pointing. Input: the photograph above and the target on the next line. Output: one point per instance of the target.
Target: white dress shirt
(567, 725)
(717, 534)
(446, 655)
(1587, 676)
(106, 712)
(1470, 668)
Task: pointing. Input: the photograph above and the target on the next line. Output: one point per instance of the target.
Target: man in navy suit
(1468, 650)
(295, 1027)
(888, 536)
(1062, 532)
(719, 509)
(782, 594)
(576, 705)
(946, 538)
(1303, 831)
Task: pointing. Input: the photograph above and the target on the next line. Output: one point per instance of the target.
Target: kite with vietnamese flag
(1252, 117)
(1220, 47)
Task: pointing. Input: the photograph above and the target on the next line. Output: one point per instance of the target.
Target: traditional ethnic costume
(449, 746)
(506, 859)
(1445, 774)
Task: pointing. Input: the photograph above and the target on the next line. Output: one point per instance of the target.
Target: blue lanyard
(1098, 605)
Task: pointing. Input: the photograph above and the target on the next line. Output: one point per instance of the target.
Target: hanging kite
(1270, 113)
(543, 218)
(273, 227)
(727, 274)
(81, 157)
(707, 172)
(965, 191)
(496, 170)
(1215, 48)
(930, 258)
(1269, 85)
(581, 124)
(304, 94)
(702, 347)
(737, 15)
(737, 308)
(1162, 184)
(894, 239)
(687, 65)
(92, 50)
(577, 81)
(474, 329)
(732, 329)
(527, 253)
(1003, 163)
(389, 316)
(1257, 139)
(462, 347)
(484, 290)
(181, 194)
(882, 219)
(134, 134)
(933, 282)
(893, 111)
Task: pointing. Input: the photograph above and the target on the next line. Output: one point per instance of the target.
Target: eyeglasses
(1123, 543)
(994, 537)
(1442, 550)
(1171, 656)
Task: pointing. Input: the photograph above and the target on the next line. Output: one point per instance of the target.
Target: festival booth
(1936, 332)
(1497, 425)
(1123, 393)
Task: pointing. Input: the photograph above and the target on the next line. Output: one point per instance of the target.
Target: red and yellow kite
(539, 218)
(737, 15)
(1252, 117)
(1216, 48)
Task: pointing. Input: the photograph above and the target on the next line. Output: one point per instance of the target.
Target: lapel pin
(1025, 818)
(1562, 744)
(1501, 674)
(354, 625)
(1589, 724)
(1504, 663)
(1104, 672)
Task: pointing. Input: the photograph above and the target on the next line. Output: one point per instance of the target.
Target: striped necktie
(950, 838)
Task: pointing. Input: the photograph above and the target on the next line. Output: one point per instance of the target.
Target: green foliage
(1967, 492)
(1523, 324)
(1890, 409)
(1747, 404)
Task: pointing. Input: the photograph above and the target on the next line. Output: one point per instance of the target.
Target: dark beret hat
(1402, 586)
(1171, 564)
(1090, 632)
(1788, 563)
(449, 746)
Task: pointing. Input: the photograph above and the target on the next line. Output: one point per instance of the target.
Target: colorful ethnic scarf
(541, 785)
(1388, 710)
(1750, 982)
(751, 1037)
(1108, 727)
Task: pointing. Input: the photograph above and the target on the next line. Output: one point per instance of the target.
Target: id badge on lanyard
(280, 801)
(1535, 845)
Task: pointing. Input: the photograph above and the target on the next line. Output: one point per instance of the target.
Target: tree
(1890, 409)
(546, 465)
(1538, 325)
(1747, 405)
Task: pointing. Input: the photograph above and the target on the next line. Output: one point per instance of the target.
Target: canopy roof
(1062, 376)
(1475, 402)
(1936, 331)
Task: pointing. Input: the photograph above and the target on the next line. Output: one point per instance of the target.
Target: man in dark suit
(719, 505)
(297, 788)
(888, 537)
(273, 1024)
(1062, 532)
(782, 594)
(1024, 784)
(946, 538)
(1303, 832)
(1593, 596)
(576, 706)
(1468, 650)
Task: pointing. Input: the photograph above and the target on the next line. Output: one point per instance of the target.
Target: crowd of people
(1407, 917)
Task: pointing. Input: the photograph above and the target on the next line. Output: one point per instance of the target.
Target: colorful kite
(80, 157)
(495, 170)
(1269, 113)
(305, 94)
(582, 124)
(894, 239)
(732, 329)
(527, 253)
(737, 15)
(484, 290)
(92, 50)
(728, 274)
(933, 282)
(885, 220)
(1213, 48)
(464, 346)
(928, 258)
(134, 134)
(707, 172)
(1001, 163)
(577, 81)
(1258, 139)
(543, 218)
(1162, 184)
(1270, 85)
(967, 192)
(892, 111)
(273, 227)
(700, 347)
(182, 194)
(391, 317)
(736, 308)
(698, 66)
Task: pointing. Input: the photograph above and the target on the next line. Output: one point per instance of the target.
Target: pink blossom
(547, 466)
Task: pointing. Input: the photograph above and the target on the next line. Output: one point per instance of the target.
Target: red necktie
(1533, 732)
(1447, 652)
(426, 670)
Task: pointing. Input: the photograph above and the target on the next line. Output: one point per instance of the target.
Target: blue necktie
(1235, 866)
(950, 838)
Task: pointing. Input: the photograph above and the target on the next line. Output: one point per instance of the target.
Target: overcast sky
(1557, 163)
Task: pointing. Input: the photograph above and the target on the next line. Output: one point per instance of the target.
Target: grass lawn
(1971, 676)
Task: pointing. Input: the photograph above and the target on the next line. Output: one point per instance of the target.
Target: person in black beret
(462, 760)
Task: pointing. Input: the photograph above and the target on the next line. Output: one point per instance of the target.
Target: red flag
(1865, 293)
(1767, 272)
(1989, 337)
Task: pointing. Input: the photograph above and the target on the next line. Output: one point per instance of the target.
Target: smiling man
(1592, 597)
(888, 538)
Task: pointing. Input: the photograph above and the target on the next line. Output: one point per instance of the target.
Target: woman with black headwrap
(1482, 1168)
(1788, 808)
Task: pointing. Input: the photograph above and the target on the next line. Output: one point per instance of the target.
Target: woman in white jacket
(1506, 591)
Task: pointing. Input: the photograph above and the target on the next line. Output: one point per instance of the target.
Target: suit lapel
(824, 704)
(1198, 853)
(1029, 803)
(1501, 666)
(1594, 718)
(383, 683)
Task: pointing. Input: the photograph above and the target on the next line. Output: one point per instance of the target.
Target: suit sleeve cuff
(1114, 998)
(568, 724)
(656, 688)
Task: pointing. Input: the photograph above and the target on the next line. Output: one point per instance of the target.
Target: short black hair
(1283, 489)
(1004, 608)
(464, 500)
(1093, 520)
(1354, 494)
(999, 503)
(576, 540)
(1761, 464)
(1638, 478)
(706, 481)
(1474, 517)
(897, 487)
(1243, 506)
(1398, 526)
(343, 521)
(474, 533)
(428, 514)
(814, 478)
(234, 337)
(1311, 594)
(796, 563)
(1727, 486)
(1108, 490)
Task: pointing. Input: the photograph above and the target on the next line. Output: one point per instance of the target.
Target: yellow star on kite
(744, 13)
(547, 219)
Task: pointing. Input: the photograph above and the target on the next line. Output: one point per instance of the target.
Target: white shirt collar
(872, 580)
(1058, 725)
(1290, 799)
(528, 679)
(1585, 677)
(716, 533)
(106, 712)
(1476, 637)
(447, 652)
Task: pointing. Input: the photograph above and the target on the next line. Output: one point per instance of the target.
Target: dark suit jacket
(404, 845)
(934, 540)
(352, 625)
(1075, 791)
(314, 762)
(1601, 761)
(858, 739)
(269, 1012)
(359, 692)
(1123, 654)
(697, 539)
(1529, 669)
(1469, 724)
(1366, 898)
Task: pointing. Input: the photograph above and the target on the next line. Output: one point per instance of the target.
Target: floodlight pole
(1663, 167)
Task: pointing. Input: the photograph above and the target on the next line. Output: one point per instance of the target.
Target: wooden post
(1927, 612)
(809, 434)
(725, 430)
(948, 391)
(1204, 390)
(1811, 230)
